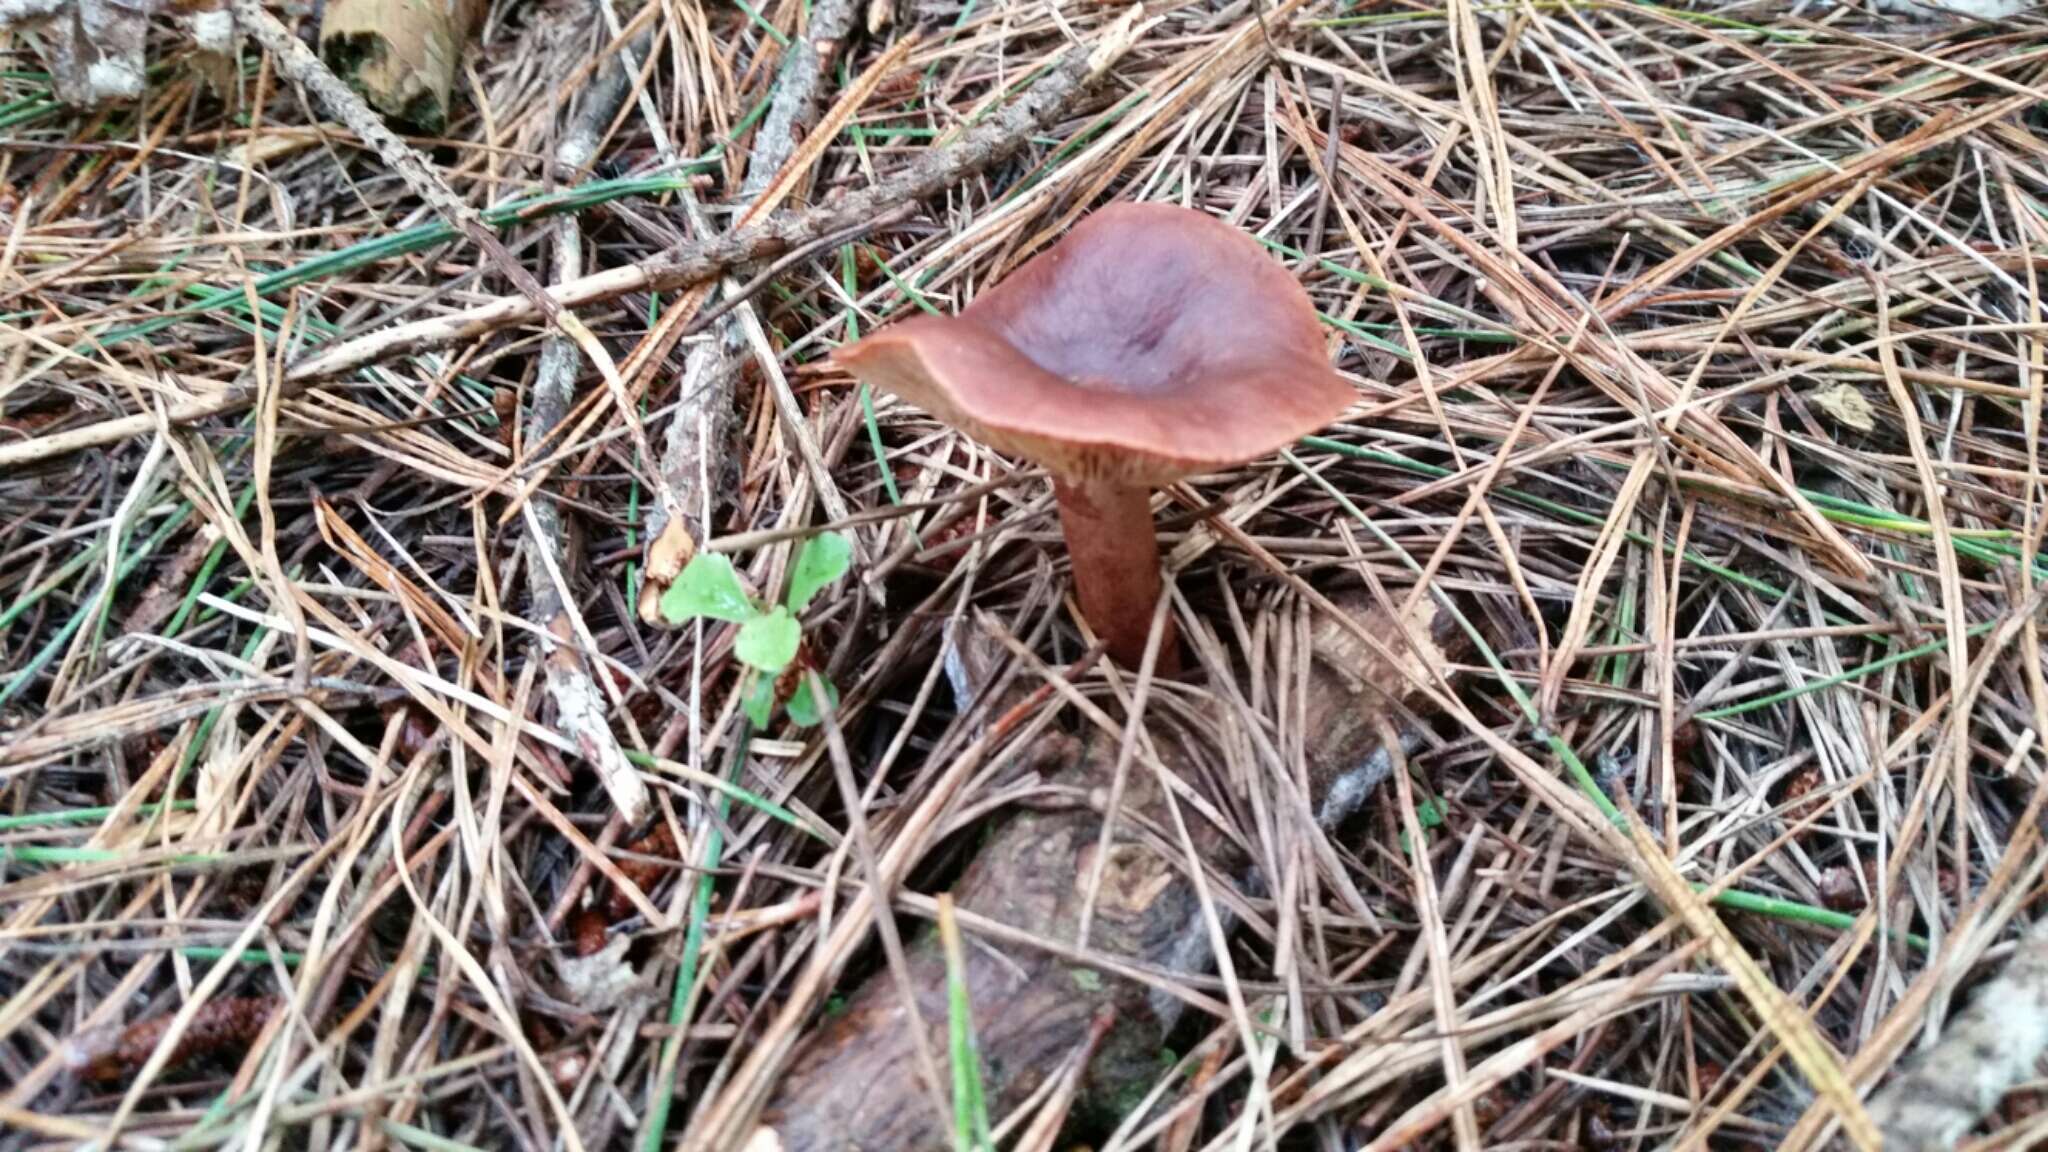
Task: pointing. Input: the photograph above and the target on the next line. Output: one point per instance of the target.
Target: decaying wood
(402, 55)
(852, 1085)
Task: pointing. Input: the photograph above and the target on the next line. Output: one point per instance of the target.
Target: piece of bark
(851, 1083)
(401, 55)
(1989, 1049)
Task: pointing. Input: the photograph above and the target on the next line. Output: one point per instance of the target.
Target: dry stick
(298, 64)
(744, 327)
(707, 373)
(579, 702)
(1037, 109)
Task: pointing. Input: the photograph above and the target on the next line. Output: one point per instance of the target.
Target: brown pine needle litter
(1621, 729)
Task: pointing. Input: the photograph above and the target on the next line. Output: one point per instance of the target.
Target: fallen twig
(580, 704)
(1037, 107)
(1989, 1049)
(700, 424)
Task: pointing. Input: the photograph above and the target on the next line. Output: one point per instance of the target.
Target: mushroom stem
(1116, 567)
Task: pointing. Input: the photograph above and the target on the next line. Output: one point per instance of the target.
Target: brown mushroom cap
(1151, 343)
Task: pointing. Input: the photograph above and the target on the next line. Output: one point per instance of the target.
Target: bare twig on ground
(986, 143)
(1988, 1049)
(582, 708)
(702, 419)
(1038, 106)
(300, 65)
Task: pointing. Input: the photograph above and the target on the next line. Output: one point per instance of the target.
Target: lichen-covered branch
(1989, 1048)
(580, 704)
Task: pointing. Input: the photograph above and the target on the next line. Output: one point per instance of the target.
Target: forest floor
(1620, 729)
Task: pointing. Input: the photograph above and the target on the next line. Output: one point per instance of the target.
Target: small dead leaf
(93, 48)
(587, 932)
(601, 981)
(1846, 405)
(666, 555)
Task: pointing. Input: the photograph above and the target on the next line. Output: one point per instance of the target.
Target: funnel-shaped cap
(1152, 342)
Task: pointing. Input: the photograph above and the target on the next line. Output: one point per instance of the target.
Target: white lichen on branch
(1988, 1049)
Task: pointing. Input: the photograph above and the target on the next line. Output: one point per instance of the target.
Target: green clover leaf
(1430, 812)
(803, 708)
(760, 702)
(708, 587)
(824, 559)
(768, 642)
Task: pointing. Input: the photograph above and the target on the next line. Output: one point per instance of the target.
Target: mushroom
(1150, 344)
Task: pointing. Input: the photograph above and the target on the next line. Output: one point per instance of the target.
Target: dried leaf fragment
(601, 981)
(672, 549)
(1846, 405)
(93, 48)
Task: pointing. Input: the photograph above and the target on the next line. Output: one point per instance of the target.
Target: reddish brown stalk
(1116, 567)
(223, 1025)
(659, 843)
